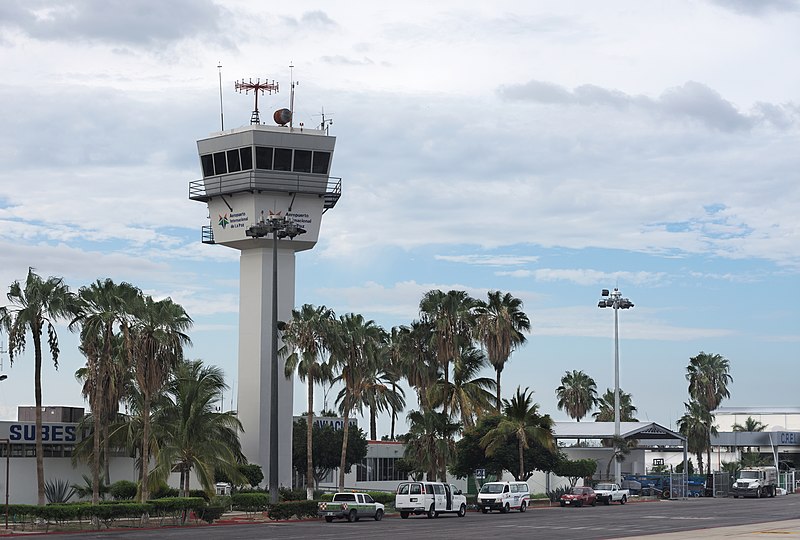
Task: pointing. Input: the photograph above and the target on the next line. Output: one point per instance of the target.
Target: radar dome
(282, 116)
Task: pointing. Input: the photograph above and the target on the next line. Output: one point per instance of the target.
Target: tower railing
(328, 187)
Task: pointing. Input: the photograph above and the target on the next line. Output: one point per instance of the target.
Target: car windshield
(604, 487)
(577, 491)
(492, 488)
(749, 474)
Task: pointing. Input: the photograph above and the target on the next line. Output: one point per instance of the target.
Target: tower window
(220, 167)
(247, 158)
(321, 162)
(302, 161)
(208, 164)
(234, 165)
(263, 157)
(283, 159)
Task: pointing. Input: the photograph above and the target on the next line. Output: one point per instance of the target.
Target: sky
(546, 149)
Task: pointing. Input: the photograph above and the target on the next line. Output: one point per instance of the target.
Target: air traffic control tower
(251, 175)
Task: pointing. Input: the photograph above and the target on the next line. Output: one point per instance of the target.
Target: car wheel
(403, 515)
(484, 510)
(506, 509)
(523, 507)
(379, 515)
(623, 500)
(758, 493)
(594, 502)
(735, 496)
(462, 510)
(329, 519)
(431, 512)
(563, 504)
(606, 501)
(580, 504)
(352, 516)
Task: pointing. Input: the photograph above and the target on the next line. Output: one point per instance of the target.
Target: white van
(429, 498)
(504, 496)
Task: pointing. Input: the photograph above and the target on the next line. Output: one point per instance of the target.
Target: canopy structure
(654, 434)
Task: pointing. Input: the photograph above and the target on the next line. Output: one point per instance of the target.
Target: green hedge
(288, 509)
(250, 502)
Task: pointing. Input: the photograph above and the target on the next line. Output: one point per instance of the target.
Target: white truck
(608, 493)
(756, 482)
(350, 506)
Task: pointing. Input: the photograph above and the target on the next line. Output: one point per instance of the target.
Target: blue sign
(789, 437)
(50, 433)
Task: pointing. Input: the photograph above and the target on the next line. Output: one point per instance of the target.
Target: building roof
(605, 430)
(757, 410)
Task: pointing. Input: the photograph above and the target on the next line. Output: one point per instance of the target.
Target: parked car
(503, 496)
(350, 506)
(579, 497)
(429, 498)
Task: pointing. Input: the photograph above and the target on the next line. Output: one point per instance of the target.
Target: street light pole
(280, 227)
(615, 300)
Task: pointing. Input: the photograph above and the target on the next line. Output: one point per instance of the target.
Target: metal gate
(788, 481)
(722, 484)
(678, 486)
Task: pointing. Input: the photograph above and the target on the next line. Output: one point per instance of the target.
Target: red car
(579, 497)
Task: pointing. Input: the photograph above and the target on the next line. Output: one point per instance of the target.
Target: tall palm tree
(307, 334)
(194, 436)
(697, 425)
(468, 396)
(605, 407)
(418, 359)
(750, 424)
(395, 360)
(521, 419)
(429, 442)
(353, 343)
(709, 377)
(36, 307)
(499, 327)
(158, 337)
(381, 392)
(103, 311)
(452, 318)
(577, 394)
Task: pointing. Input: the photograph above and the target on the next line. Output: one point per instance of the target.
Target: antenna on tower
(221, 117)
(326, 122)
(256, 87)
(291, 93)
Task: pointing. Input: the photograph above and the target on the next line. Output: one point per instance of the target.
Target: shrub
(285, 510)
(209, 514)
(555, 495)
(286, 494)
(383, 497)
(250, 502)
(199, 493)
(123, 490)
(163, 491)
(58, 491)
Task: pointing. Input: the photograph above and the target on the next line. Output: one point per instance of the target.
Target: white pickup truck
(608, 493)
(350, 506)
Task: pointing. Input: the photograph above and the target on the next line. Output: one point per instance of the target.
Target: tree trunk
(343, 460)
(309, 443)
(394, 415)
(37, 345)
(521, 460)
(95, 449)
(145, 491)
(106, 455)
(373, 423)
(497, 380)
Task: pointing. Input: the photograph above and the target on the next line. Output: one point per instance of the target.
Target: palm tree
(451, 316)
(429, 442)
(500, 326)
(194, 436)
(395, 360)
(709, 377)
(621, 448)
(605, 407)
(577, 394)
(158, 337)
(103, 309)
(37, 305)
(353, 343)
(521, 419)
(750, 424)
(697, 425)
(307, 333)
(418, 359)
(381, 392)
(468, 395)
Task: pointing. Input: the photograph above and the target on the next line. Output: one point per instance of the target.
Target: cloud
(692, 100)
(759, 7)
(489, 260)
(588, 276)
(143, 23)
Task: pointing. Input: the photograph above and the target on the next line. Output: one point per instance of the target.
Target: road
(588, 523)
